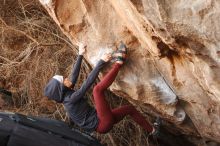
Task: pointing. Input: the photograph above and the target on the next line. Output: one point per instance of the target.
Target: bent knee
(102, 131)
(104, 127)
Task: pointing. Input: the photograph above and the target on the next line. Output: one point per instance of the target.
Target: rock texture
(174, 53)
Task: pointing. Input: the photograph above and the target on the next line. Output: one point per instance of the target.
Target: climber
(101, 118)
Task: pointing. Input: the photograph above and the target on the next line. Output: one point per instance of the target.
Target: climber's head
(56, 87)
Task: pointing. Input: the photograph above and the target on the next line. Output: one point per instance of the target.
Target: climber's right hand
(106, 57)
(82, 49)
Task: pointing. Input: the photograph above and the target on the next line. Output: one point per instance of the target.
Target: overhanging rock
(174, 51)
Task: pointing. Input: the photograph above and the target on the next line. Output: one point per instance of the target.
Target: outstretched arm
(90, 80)
(76, 68)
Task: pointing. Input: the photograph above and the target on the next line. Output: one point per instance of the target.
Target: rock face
(173, 61)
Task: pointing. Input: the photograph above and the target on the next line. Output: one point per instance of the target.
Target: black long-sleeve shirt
(75, 102)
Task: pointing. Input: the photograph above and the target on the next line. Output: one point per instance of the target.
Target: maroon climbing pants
(107, 116)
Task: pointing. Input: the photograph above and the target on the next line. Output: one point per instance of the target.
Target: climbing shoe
(156, 126)
(120, 54)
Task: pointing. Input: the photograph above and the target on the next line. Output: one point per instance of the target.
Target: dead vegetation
(32, 49)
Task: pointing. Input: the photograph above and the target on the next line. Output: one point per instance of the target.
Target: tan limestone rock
(174, 51)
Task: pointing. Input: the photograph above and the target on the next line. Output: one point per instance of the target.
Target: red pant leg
(108, 117)
(121, 112)
(103, 110)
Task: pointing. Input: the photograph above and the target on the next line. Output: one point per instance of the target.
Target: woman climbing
(102, 117)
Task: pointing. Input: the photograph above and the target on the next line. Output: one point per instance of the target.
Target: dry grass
(32, 50)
